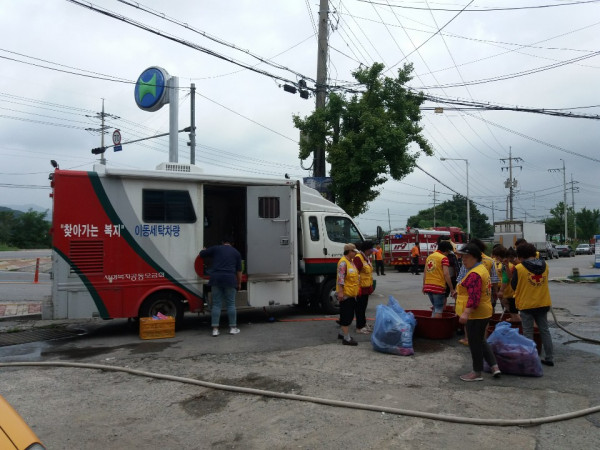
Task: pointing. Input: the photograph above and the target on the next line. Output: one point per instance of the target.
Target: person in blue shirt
(225, 278)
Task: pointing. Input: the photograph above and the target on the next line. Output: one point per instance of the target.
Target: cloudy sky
(59, 60)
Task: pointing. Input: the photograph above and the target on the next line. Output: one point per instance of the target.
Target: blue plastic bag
(391, 334)
(407, 317)
(515, 354)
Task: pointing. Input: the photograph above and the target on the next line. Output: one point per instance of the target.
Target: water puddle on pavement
(583, 346)
(428, 346)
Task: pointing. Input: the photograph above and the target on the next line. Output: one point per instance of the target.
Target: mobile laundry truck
(125, 242)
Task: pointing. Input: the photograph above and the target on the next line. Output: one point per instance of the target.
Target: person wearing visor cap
(474, 308)
(347, 289)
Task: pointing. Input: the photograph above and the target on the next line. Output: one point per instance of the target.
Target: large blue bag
(392, 334)
(407, 317)
(515, 354)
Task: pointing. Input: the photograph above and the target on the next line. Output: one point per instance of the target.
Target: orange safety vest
(378, 254)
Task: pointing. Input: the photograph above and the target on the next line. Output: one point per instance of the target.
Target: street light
(468, 203)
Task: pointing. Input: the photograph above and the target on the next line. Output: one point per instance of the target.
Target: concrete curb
(20, 311)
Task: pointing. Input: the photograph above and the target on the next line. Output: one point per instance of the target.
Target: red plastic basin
(434, 327)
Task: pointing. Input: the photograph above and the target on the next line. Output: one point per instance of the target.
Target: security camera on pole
(154, 88)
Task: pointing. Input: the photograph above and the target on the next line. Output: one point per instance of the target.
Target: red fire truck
(398, 244)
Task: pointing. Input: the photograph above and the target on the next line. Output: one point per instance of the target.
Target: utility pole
(493, 220)
(564, 194)
(192, 142)
(573, 190)
(102, 129)
(434, 206)
(510, 183)
(321, 94)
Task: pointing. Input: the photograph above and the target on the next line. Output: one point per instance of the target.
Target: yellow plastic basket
(157, 329)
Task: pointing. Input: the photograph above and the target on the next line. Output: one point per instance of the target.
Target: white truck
(125, 242)
(507, 232)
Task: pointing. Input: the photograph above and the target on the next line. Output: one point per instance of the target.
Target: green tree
(31, 230)
(7, 223)
(453, 213)
(368, 136)
(587, 223)
(556, 223)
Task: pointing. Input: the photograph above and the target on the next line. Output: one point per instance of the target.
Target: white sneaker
(234, 330)
(215, 332)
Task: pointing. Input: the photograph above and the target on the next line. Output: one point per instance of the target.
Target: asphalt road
(295, 351)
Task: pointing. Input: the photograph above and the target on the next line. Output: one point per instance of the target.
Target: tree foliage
(588, 223)
(25, 230)
(453, 213)
(556, 223)
(587, 220)
(368, 136)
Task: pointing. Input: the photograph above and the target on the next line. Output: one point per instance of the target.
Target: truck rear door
(271, 248)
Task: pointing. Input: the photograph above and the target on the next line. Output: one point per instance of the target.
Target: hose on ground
(318, 400)
(587, 339)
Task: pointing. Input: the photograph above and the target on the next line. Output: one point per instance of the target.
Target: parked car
(551, 251)
(14, 432)
(583, 249)
(565, 250)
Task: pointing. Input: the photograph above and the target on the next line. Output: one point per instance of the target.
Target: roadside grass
(7, 248)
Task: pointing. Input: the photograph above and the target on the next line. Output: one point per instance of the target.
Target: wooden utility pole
(319, 152)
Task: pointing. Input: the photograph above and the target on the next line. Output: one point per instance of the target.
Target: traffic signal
(98, 150)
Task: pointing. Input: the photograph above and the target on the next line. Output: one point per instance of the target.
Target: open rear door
(271, 261)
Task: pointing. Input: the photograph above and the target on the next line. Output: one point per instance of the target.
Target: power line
(191, 45)
(539, 141)
(163, 16)
(247, 118)
(439, 30)
(489, 9)
(515, 74)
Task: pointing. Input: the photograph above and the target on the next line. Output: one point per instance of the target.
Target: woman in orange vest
(474, 308)
(362, 261)
(347, 289)
(532, 296)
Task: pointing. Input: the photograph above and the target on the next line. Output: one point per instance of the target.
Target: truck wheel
(329, 303)
(167, 303)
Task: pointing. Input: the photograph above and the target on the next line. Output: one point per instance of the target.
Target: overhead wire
(220, 41)
(489, 9)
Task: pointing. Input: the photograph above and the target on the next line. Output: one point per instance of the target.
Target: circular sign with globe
(151, 89)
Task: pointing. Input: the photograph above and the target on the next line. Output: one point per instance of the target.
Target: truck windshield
(341, 229)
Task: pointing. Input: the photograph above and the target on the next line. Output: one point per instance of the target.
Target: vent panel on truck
(87, 256)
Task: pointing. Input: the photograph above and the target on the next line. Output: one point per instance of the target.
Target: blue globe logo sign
(151, 89)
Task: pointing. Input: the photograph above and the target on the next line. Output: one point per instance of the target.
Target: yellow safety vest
(532, 290)
(434, 271)
(366, 273)
(484, 309)
(351, 281)
(487, 262)
(508, 290)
